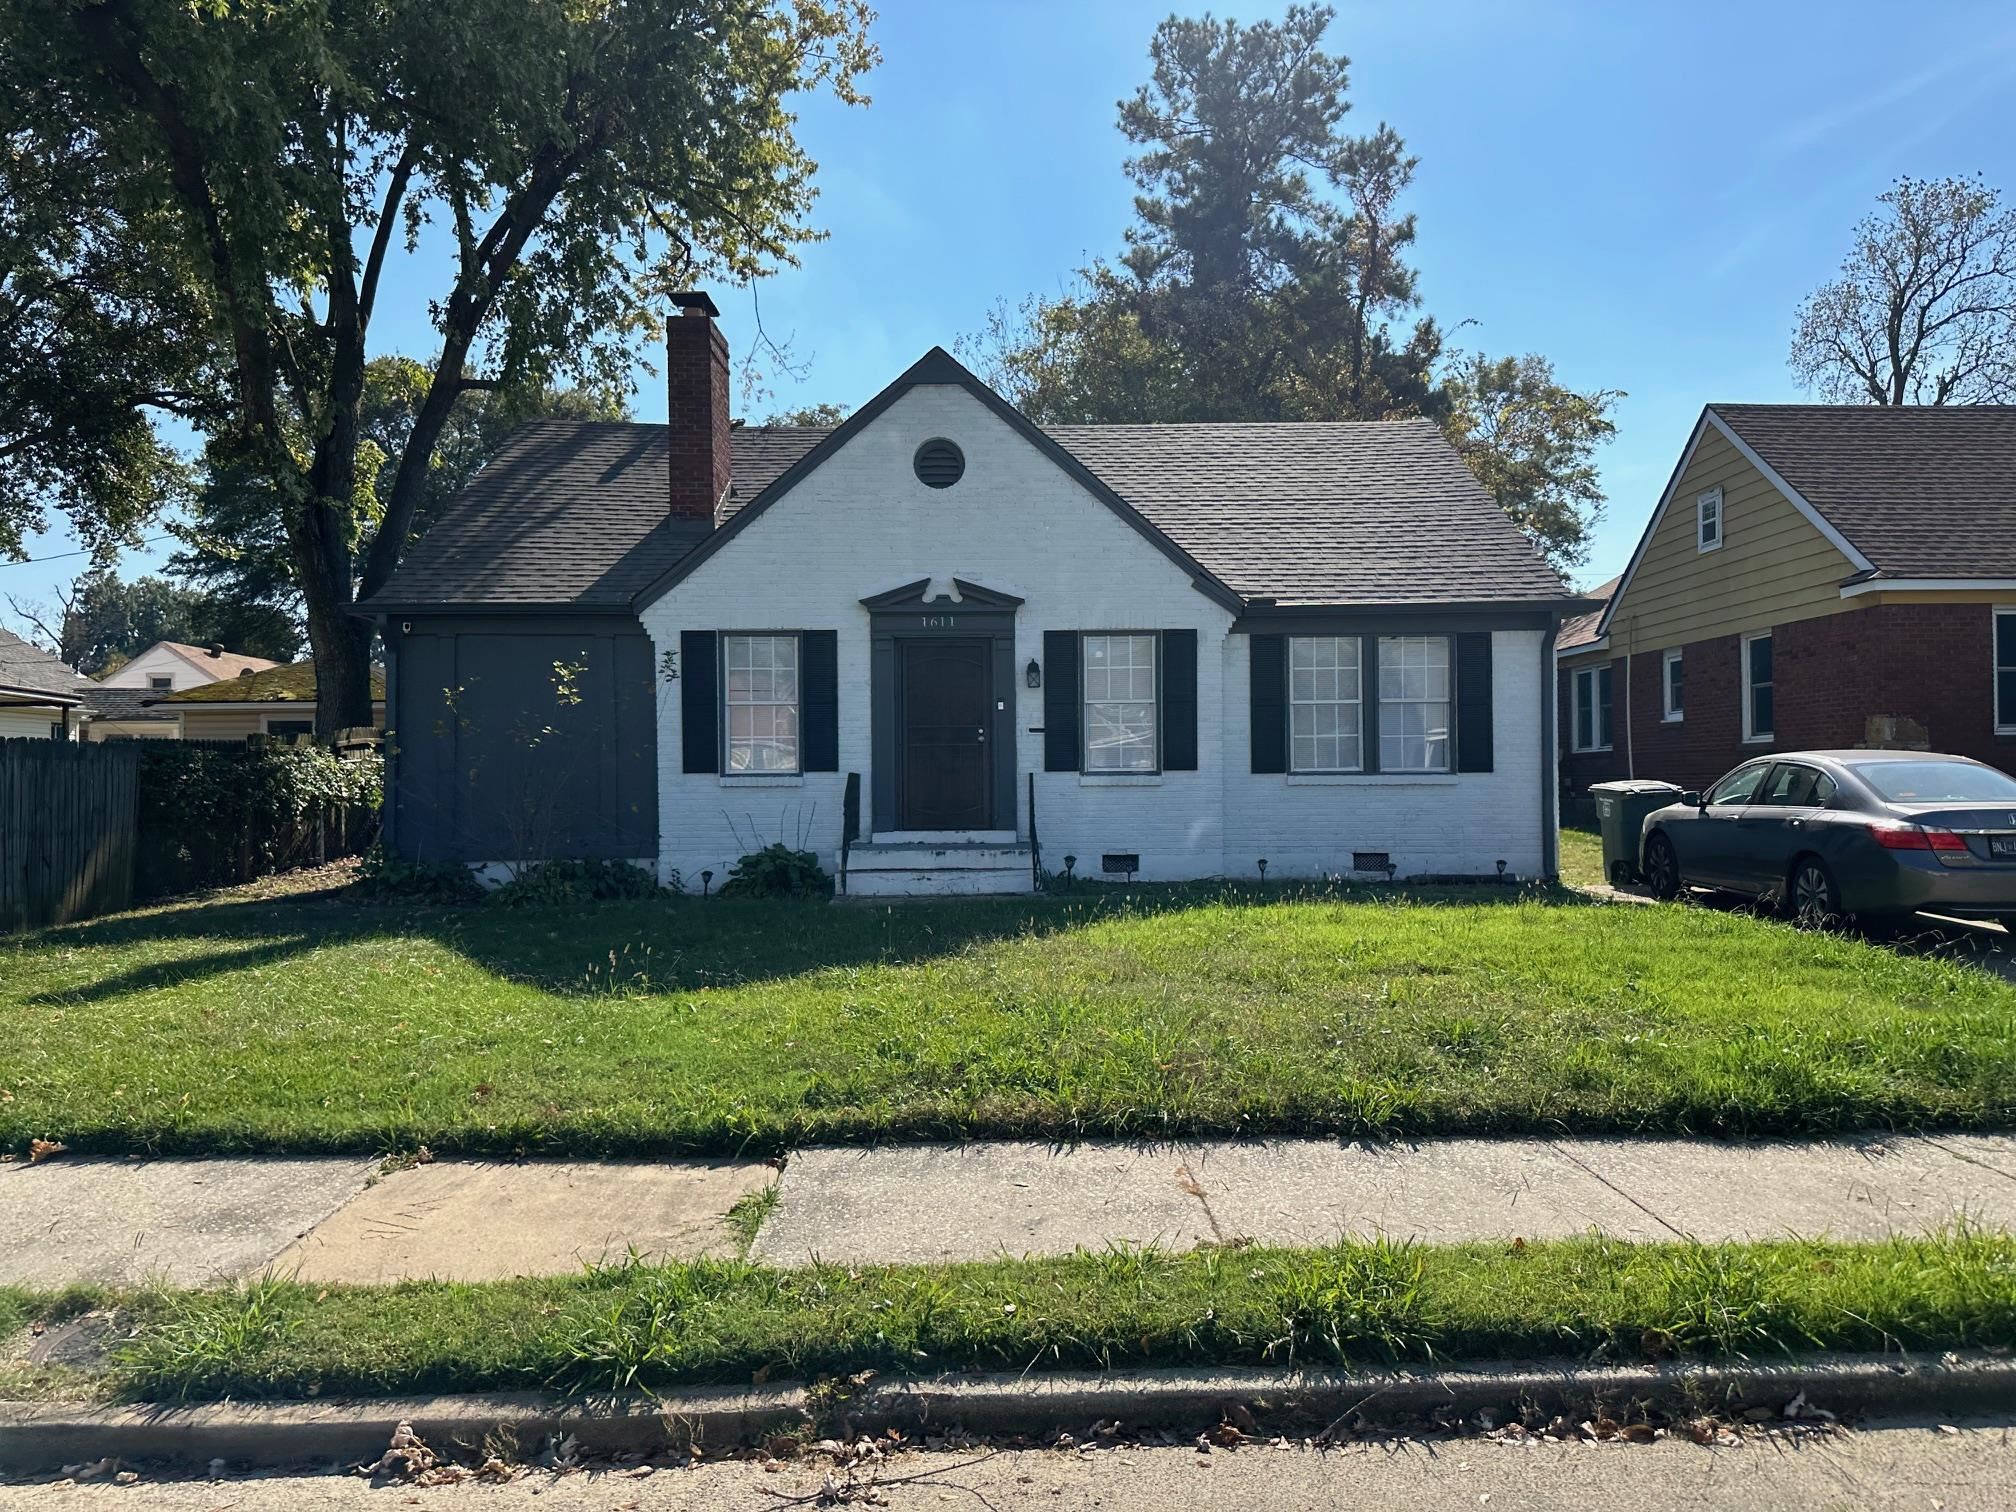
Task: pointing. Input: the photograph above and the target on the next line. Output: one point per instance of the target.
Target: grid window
(156, 683)
(1324, 704)
(1673, 686)
(1708, 521)
(1414, 703)
(1120, 703)
(761, 692)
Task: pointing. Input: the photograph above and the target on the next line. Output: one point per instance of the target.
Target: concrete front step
(915, 869)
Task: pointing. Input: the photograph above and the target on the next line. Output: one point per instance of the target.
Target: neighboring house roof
(1921, 491)
(125, 705)
(573, 514)
(216, 663)
(1582, 629)
(294, 683)
(29, 670)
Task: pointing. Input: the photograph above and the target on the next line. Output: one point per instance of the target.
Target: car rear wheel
(1811, 894)
(1662, 868)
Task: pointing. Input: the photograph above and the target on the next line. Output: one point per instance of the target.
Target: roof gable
(939, 366)
(1709, 421)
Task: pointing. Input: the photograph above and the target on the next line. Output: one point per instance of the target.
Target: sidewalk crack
(1969, 1159)
(1187, 1180)
(1588, 1170)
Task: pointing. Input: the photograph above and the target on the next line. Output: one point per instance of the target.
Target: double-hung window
(1592, 708)
(1672, 686)
(760, 691)
(1708, 520)
(2005, 671)
(1759, 716)
(1414, 703)
(1121, 720)
(1325, 704)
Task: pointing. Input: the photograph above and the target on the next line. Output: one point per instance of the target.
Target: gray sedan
(1834, 834)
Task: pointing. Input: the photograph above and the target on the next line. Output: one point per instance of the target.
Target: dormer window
(1708, 520)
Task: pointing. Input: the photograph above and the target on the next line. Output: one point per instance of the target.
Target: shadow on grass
(680, 945)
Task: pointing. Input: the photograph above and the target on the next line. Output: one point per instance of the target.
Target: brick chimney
(696, 409)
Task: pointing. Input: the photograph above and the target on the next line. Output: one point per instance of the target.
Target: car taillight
(1892, 835)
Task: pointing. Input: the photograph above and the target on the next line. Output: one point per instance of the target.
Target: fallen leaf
(40, 1150)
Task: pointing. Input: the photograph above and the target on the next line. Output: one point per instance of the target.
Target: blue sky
(1641, 192)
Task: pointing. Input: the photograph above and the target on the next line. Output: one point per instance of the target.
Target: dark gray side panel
(530, 738)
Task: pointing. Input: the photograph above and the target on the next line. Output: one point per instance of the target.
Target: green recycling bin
(1621, 808)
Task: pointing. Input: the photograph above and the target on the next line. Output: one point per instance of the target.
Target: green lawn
(1581, 857)
(1357, 1304)
(749, 1026)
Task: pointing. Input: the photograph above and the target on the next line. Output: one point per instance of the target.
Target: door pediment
(919, 595)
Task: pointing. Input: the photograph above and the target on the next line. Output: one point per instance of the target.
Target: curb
(44, 1436)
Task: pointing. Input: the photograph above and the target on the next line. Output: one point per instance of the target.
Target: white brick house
(945, 649)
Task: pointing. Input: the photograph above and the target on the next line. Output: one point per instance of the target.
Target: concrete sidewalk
(193, 1222)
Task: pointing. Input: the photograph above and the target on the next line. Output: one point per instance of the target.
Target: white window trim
(1667, 662)
(1357, 702)
(1086, 701)
(2003, 726)
(1751, 736)
(1576, 696)
(797, 769)
(266, 721)
(1701, 502)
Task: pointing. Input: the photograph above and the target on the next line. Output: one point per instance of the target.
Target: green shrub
(385, 877)
(777, 871)
(211, 815)
(580, 882)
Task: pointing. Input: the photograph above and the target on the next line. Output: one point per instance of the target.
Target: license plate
(2002, 847)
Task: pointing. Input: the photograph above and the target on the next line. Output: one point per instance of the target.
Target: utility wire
(81, 551)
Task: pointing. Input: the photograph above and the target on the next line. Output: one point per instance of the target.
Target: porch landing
(937, 868)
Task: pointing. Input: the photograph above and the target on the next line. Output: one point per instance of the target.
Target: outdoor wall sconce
(1032, 675)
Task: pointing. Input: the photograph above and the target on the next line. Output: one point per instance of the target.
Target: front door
(944, 704)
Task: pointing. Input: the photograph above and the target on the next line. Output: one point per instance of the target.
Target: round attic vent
(939, 463)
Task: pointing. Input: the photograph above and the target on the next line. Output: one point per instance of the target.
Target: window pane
(1760, 710)
(1585, 712)
(1760, 659)
(761, 695)
(1414, 703)
(2005, 640)
(2005, 696)
(1738, 786)
(1323, 695)
(1119, 703)
(1676, 685)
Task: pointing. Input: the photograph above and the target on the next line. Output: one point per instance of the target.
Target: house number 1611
(937, 621)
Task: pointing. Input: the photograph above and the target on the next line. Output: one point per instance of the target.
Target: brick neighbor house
(1814, 576)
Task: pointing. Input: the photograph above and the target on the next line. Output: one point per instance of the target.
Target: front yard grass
(632, 1326)
(749, 1027)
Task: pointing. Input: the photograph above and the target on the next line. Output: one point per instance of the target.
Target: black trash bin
(1621, 808)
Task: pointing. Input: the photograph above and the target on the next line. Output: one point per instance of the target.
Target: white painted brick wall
(862, 524)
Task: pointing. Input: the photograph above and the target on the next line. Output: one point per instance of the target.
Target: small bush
(383, 877)
(777, 871)
(579, 882)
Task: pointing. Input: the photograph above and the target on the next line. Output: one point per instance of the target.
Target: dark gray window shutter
(1473, 701)
(1060, 700)
(1179, 700)
(819, 695)
(699, 701)
(1268, 698)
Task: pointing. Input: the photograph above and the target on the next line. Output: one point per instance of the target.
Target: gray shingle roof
(125, 704)
(1333, 513)
(1921, 491)
(30, 669)
(1582, 629)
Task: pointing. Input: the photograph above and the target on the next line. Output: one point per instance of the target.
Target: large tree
(1267, 277)
(571, 161)
(1923, 310)
(233, 532)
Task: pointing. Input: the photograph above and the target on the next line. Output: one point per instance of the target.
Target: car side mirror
(1693, 799)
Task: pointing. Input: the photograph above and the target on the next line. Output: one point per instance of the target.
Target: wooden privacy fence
(68, 825)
